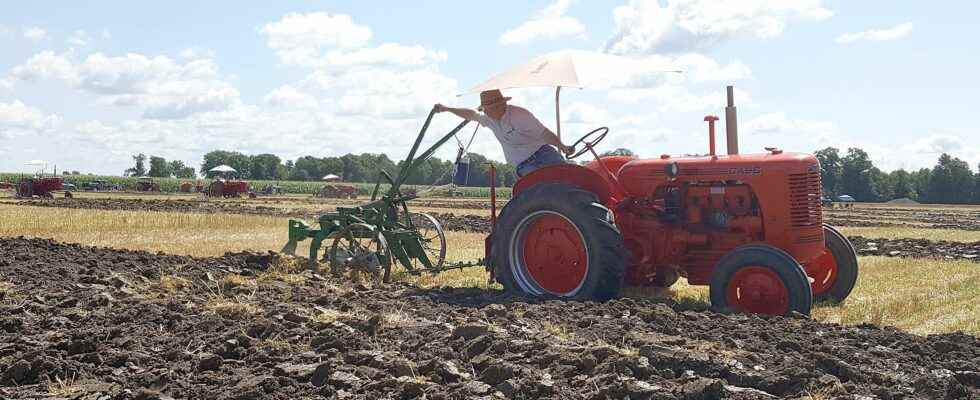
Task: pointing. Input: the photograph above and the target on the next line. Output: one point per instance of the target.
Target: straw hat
(491, 97)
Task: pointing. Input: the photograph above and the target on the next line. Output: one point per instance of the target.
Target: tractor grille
(804, 200)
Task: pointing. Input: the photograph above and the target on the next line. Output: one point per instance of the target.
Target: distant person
(526, 142)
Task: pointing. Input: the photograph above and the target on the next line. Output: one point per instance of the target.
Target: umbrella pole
(558, 117)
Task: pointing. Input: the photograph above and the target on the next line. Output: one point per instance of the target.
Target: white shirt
(518, 131)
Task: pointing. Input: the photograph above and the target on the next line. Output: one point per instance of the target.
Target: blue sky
(86, 84)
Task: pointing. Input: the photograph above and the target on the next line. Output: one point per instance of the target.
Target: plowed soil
(96, 323)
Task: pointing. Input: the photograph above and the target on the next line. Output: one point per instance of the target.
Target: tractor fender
(574, 175)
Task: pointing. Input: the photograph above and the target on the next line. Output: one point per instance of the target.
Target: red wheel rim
(554, 254)
(823, 271)
(757, 290)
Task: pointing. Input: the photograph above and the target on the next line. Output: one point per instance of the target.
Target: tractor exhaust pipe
(731, 122)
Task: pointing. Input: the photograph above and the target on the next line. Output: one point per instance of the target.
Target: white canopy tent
(331, 178)
(222, 168)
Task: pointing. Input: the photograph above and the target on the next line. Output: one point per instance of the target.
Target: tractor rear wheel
(760, 279)
(835, 272)
(557, 240)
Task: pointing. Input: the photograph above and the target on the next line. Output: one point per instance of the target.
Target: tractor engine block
(689, 224)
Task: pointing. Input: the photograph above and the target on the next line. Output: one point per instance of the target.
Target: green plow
(374, 236)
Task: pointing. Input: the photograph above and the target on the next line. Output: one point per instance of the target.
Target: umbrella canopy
(331, 177)
(571, 68)
(845, 197)
(222, 168)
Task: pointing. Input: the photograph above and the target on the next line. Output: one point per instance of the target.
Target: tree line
(950, 181)
(365, 167)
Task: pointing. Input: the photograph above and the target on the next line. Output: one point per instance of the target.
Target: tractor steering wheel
(588, 145)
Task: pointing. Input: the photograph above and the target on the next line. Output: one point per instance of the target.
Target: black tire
(789, 272)
(603, 242)
(847, 266)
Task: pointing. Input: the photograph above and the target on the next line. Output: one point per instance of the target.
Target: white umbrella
(222, 168)
(331, 177)
(570, 68)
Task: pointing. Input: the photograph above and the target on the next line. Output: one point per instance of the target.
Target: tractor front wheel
(835, 271)
(760, 279)
(557, 240)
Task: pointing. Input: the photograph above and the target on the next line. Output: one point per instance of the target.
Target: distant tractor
(229, 188)
(98, 186)
(147, 185)
(4, 185)
(269, 190)
(337, 191)
(43, 187)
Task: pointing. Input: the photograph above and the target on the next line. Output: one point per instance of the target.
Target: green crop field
(291, 187)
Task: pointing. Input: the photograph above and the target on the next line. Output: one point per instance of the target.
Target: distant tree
(902, 185)
(263, 166)
(140, 168)
(74, 172)
(234, 159)
(65, 172)
(618, 152)
(159, 168)
(180, 170)
(856, 175)
(976, 186)
(920, 181)
(830, 170)
(951, 181)
(882, 185)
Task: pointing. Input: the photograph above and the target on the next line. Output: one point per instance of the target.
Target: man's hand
(440, 108)
(568, 150)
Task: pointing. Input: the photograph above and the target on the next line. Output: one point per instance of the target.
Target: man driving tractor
(527, 143)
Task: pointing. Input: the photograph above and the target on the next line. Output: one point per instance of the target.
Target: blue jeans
(545, 156)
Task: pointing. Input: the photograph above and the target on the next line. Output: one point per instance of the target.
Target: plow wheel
(359, 249)
(760, 279)
(557, 240)
(433, 240)
(835, 272)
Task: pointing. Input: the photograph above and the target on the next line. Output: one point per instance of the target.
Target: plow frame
(387, 213)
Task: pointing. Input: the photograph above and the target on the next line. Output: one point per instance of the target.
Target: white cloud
(161, 87)
(79, 38)
(679, 98)
(35, 33)
(937, 144)
(16, 118)
(5, 85)
(319, 40)
(288, 96)
(878, 35)
(779, 124)
(194, 53)
(645, 26)
(549, 23)
(45, 64)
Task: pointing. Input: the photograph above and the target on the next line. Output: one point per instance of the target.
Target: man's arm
(464, 113)
(552, 139)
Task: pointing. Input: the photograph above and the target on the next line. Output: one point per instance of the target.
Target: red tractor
(337, 191)
(43, 187)
(229, 188)
(748, 226)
